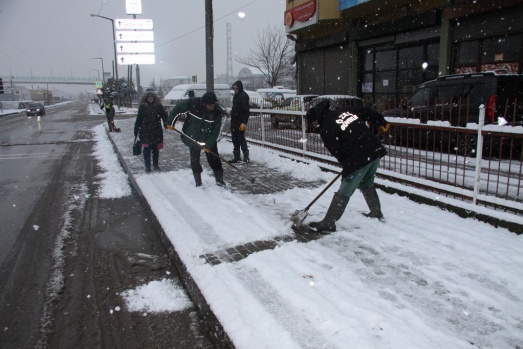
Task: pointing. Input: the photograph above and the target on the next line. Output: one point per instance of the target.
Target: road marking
(28, 156)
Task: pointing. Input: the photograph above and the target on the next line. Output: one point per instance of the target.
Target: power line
(203, 26)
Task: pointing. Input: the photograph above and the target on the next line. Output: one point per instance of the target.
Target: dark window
(385, 60)
(467, 52)
(385, 82)
(488, 54)
(506, 48)
(420, 98)
(432, 57)
(408, 80)
(463, 93)
(410, 58)
(369, 60)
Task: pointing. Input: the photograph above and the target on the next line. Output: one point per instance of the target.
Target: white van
(183, 91)
(276, 94)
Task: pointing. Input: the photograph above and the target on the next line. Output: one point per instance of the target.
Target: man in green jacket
(202, 124)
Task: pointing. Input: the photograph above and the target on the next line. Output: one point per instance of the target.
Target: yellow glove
(170, 127)
(385, 128)
(207, 150)
(243, 127)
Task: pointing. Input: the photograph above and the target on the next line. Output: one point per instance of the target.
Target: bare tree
(272, 55)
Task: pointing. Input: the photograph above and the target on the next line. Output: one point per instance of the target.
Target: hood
(240, 86)
(143, 100)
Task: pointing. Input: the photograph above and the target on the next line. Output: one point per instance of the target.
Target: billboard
(301, 16)
(345, 4)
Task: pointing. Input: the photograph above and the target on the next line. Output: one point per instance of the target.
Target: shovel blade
(298, 217)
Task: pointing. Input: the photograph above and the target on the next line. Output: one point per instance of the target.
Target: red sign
(300, 13)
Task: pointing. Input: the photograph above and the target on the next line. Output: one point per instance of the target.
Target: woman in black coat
(150, 121)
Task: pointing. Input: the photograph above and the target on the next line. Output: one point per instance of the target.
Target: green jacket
(200, 124)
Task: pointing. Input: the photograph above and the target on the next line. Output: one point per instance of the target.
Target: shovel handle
(323, 191)
(250, 178)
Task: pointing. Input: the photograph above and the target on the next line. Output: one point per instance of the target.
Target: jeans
(360, 179)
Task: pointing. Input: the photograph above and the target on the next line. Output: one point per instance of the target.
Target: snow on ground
(425, 278)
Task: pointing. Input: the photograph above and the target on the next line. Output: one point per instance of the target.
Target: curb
(214, 328)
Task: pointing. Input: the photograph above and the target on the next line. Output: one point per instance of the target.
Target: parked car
(338, 100)
(295, 103)
(457, 99)
(335, 101)
(276, 94)
(256, 100)
(184, 91)
(35, 109)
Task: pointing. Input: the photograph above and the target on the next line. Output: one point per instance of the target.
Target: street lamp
(115, 57)
(103, 74)
(96, 71)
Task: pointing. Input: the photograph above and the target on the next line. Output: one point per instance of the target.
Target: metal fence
(477, 164)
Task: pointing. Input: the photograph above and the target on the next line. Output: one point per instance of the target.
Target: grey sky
(59, 37)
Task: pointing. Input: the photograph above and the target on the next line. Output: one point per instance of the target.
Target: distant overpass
(7, 79)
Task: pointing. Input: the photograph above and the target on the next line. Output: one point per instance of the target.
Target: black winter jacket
(348, 138)
(240, 108)
(150, 122)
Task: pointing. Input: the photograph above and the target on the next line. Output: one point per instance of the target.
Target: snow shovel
(299, 216)
(249, 178)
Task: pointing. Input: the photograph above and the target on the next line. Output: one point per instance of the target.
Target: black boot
(218, 175)
(334, 213)
(236, 157)
(197, 178)
(246, 156)
(373, 201)
(147, 159)
(156, 155)
(115, 129)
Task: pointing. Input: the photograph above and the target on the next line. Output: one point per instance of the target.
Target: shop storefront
(386, 61)
(391, 64)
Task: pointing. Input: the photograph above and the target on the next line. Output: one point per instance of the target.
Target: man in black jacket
(348, 138)
(239, 117)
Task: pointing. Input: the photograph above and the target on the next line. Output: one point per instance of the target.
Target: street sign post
(135, 47)
(136, 59)
(139, 24)
(137, 31)
(140, 35)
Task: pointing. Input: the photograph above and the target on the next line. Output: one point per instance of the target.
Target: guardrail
(48, 80)
(435, 157)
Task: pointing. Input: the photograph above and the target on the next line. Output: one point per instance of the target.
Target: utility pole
(137, 78)
(138, 90)
(209, 39)
(228, 71)
(115, 66)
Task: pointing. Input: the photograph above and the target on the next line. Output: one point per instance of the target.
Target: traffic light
(1, 87)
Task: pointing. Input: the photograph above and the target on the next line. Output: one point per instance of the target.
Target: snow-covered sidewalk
(425, 278)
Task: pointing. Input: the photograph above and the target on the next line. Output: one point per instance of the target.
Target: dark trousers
(213, 161)
(238, 141)
(152, 148)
